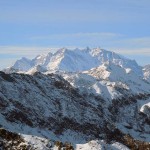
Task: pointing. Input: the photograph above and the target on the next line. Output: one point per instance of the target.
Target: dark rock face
(6, 77)
(10, 140)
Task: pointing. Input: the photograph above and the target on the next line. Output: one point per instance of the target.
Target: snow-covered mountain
(92, 98)
(76, 60)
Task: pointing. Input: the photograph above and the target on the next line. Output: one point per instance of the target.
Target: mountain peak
(61, 51)
(23, 64)
(97, 51)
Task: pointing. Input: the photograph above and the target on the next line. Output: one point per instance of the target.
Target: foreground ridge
(47, 105)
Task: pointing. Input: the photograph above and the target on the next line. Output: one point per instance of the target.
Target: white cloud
(24, 50)
(129, 51)
(78, 35)
(16, 52)
(141, 42)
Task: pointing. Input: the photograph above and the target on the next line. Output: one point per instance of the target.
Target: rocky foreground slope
(49, 106)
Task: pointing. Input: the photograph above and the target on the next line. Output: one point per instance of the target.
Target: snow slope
(101, 145)
(146, 71)
(108, 80)
(145, 107)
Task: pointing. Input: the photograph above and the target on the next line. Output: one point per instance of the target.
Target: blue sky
(32, 27)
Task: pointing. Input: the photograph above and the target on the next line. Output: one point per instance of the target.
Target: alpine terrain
(81, 99)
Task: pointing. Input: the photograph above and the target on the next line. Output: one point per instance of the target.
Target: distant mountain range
(76, 60)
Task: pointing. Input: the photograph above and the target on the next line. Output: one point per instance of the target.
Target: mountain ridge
(76, 60)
